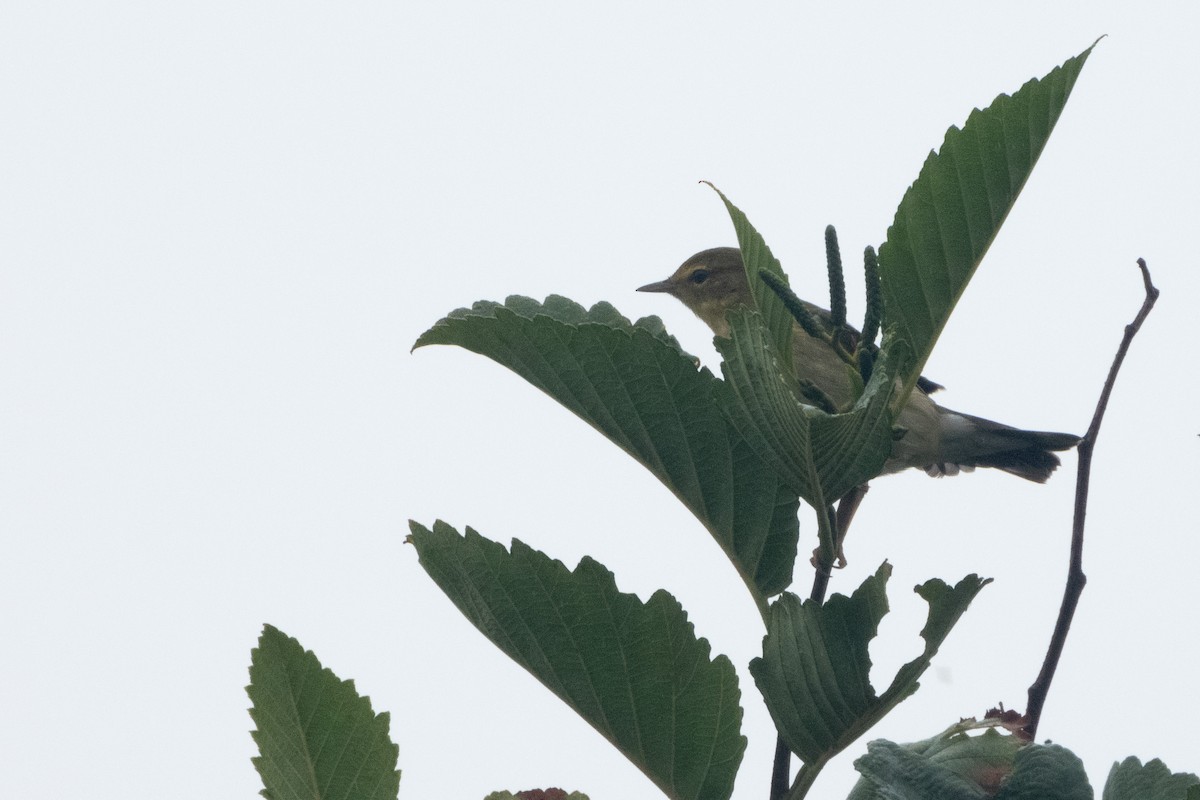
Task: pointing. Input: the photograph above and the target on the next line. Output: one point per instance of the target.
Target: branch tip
(1076, 579)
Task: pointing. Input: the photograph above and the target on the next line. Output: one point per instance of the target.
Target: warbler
(935, 439)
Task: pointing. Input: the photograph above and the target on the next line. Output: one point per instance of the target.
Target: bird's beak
(660, 286)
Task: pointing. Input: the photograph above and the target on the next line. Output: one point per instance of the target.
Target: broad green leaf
(635, 385)
(1042, 771)
(635, 671)
(952, 212)
(895, 772)
(757, 257)
(1131, 780)
(956, 766)
(821, 456)
(537, 794)
(318, 739)
(815, 669)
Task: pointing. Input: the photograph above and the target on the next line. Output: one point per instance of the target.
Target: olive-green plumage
(938, 440)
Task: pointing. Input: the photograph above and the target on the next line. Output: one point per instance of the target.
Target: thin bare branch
(781, 769)
(1076, 580)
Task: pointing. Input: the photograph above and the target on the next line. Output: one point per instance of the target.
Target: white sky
(222, 226)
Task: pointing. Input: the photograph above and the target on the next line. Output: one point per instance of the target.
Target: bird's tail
(983, 443)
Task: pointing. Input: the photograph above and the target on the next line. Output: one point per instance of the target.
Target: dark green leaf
(952, 212)
(537, 794)
(1131, 780)
(635, 671)
(896, 772)
(757, 257)
(318, 739)
(946, 605)
(821, 456)
(635, 385)
(1046, 772)
(956, 766)
(815, 670)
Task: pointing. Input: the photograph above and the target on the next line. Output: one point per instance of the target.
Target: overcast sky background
(223, 225)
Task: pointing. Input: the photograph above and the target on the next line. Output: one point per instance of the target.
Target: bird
(934, 438)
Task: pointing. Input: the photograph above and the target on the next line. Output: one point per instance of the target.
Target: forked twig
(1076, 580)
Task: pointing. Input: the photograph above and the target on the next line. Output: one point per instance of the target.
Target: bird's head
(710, 283)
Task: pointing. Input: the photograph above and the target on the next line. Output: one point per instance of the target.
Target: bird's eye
(699, 276)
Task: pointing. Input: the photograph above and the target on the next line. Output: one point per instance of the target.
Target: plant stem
(781, 769)
(1076, 580)
(804, 780)
(840, 522)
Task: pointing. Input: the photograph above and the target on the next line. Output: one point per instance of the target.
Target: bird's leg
(846, 508)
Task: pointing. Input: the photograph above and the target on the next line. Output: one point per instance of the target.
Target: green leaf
(635, 671)
(537, 794)
(946, 605)
(952, 212)
(821, 456)
(1131, 780)
(908, 772)
(318, 739)
(956, 766)
(1046, 772)
(757, 257)
(814, 673)
(635, 385)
